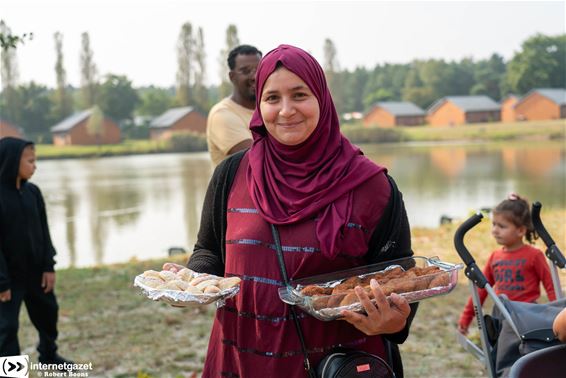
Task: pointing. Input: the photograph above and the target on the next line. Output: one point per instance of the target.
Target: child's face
(505, 232)
(27, 163)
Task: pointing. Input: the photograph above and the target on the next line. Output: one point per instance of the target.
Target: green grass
(106, 321)
(128, 147)
(553, 129)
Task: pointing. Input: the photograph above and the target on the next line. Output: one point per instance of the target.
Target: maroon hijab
(316, 178)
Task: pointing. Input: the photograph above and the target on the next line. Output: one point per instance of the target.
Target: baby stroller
(516, 328)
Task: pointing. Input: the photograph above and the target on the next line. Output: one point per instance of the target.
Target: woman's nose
(287, 108)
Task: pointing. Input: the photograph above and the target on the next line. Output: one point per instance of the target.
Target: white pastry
(228, 282)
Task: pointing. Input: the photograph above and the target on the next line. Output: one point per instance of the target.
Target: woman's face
(289, 109)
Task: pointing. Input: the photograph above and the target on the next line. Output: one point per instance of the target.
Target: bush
(188, 142)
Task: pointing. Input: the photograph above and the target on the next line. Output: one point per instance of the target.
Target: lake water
(115, 209)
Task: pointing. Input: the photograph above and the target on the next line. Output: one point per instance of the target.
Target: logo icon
(15, 366)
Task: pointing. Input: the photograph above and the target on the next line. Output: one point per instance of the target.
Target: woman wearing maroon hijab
(334, 210)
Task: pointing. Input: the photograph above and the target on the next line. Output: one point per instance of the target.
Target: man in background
(227, 127)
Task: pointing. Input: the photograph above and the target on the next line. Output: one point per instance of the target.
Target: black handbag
(340, 362)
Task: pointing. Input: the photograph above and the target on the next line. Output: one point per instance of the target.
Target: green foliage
(188, 142)
(185, 56)
(95, 122)
(541, 63)
(34, 114)
(89, 84)
(154, 101)
(9, 40)
(232, 40)
(117, 99)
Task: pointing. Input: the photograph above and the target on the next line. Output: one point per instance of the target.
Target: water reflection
(116, 209)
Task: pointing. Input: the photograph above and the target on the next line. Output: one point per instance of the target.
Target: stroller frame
(477, 280)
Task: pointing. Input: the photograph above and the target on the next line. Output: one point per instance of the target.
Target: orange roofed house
(177, 120)
(8, 129)
(459, 110)
(540, 104)
(73, 131)
(390, 114)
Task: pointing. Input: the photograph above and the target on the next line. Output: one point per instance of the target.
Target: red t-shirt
(517, 274)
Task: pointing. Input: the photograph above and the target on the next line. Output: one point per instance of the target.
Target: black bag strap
(310, 371)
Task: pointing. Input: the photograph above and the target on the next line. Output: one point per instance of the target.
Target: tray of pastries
(415, 278)
(186, 287)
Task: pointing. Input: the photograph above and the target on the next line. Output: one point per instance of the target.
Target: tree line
(35, 108)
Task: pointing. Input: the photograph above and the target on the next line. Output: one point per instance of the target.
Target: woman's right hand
(6, 296)
(173, 267)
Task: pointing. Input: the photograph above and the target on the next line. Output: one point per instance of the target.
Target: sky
(137, 38)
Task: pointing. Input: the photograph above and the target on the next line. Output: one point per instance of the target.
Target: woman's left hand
(381, 317)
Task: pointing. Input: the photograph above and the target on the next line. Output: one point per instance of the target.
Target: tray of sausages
(415, 278)
(186, 287)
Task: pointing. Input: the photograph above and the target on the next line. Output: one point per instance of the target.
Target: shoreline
(480, 133)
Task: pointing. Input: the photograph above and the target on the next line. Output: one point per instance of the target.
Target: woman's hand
(173, 267)
(6, 296)
(381, 317)
(48, 281)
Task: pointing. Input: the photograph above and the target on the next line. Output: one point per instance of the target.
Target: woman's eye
(271, 98)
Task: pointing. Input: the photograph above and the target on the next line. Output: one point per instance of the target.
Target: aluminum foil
(179, 298)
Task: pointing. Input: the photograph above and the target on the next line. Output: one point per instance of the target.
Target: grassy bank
(104, 320)
(554, 129)
(184, 142)
(542, 130)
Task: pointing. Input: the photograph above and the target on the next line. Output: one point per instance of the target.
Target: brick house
(176, 120)
(8, 129)
(541, 104)
(459, 110)
(73, 131)
(508, 108)
(390, 114)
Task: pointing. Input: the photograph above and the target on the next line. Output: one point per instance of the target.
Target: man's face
(243, 75)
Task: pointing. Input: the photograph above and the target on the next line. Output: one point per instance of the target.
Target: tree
(185, 55)
(88, 73)
(541, 63)
(154, 101)
(200, 91)
(488, 75)
(34, 111)
(63, 105)
(95, 123)
(331, 68)
(232, 41)
(9, 40)
(117, 99)
(9, 75)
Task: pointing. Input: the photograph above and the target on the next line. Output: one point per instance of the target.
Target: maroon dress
(253, 334)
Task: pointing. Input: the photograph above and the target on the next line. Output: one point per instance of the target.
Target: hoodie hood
(11, 150)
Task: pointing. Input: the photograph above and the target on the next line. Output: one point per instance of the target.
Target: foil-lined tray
(181, 298)
(445, 272)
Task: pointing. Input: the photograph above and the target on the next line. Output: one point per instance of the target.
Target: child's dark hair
(517, 210)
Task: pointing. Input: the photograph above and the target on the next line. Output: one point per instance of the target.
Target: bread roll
(192, 290)
(197, 280)
(185, 274)
(204, 284)
(211, 290)
(167, 275)
(152, 274)
(182, 285)
(228, 282)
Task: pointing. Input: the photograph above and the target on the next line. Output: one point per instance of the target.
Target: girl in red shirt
(516, 269)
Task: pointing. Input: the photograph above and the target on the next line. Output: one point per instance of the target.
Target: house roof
(557, 95)
(171, 116)
(401, 108)
(467, 103)
(71, 121)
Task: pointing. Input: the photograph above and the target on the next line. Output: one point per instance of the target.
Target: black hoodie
(25, 245)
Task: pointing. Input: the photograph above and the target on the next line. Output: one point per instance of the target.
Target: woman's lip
(289, 124)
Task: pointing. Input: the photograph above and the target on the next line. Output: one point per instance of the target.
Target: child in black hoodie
(26, 254)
